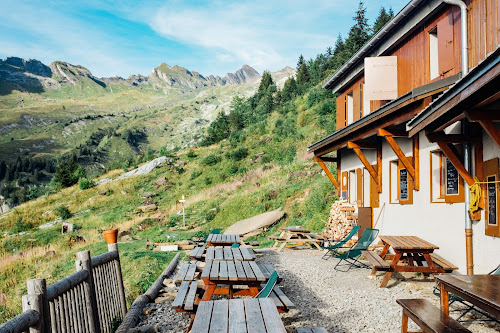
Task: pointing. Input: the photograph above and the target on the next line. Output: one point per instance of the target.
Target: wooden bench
(283, 303)
(185, 273)
(377, 261)
(311, 330)
(428, 317)
(443, 263)
(267, 270)
(186, 298)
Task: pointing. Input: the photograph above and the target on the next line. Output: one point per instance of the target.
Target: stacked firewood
(342, 219)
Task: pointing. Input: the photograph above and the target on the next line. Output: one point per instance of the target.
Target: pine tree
(303, 74)
(265, 82)
(300, 61)
(382, 19)
(3, 168)
(329, 52)
(360, 31)
(289, 89)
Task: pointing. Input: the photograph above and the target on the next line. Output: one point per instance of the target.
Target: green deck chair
(268, 288)
(351, 257)
(467, 306)
(333, 248)
(235, 245)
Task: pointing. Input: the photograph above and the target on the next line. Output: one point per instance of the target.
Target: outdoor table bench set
(218, 267)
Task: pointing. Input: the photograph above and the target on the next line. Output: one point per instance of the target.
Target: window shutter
(341, 116)
(446, 59)
(374, 195)
(490, 193)
(356, 94)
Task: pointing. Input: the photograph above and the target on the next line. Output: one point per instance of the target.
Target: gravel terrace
(340, 302)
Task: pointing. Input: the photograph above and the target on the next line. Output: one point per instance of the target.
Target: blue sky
(124, 37)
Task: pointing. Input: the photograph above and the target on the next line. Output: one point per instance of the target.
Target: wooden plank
(283, 298)
(201, 322)
(304, 330)
(271, 316)
(223, 275)
(328, 173)
(181, 295)
(367, 165)
(237, 322)
(214, 273)
(240, 271)
(219, 255)
(228, 254)
(205, 274)
(256, 271)
(238, 239)
(191, 296)
(248, 271)
(255, 322)
(319, 330)
(237, 254)
(181, 273)
(264, 271)
(245, 252)
(231, 271)
(209, 238)
(448, 151)
(220, 317)
(210, 255)
(190, 273)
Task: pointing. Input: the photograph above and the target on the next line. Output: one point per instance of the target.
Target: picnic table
(481, 290)
(412, 254)
(218, 239)
(230, 273)
(202, 253)
(296, 235)
(255, 315)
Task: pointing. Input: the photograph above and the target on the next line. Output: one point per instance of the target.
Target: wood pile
(342, 219)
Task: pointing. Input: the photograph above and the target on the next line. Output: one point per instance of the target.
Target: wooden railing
(89, 300)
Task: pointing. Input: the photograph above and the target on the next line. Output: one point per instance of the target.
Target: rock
(169, 283)
(144, 329)
(159, 218)
(126, 238)
(123, 233)
(103, 192)
(123, 192)
(50, 253)
(161, 181)
(147, 195)
(163, 299)
(148, 201)
(253, 224)
(148, 208)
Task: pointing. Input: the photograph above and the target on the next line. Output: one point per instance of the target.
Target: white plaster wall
(439, 223)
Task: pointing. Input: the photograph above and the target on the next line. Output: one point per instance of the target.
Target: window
(433, 53)
(401, 184)
(366, 102)
(491, 192)
(352, 187)
(345, 186)
(350, 108)
(446, 183)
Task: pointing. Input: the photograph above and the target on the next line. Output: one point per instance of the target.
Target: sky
(124, 37)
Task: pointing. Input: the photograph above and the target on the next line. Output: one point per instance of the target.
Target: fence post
(118, 268)
(84, 263)
(34, 302)
(39, 287)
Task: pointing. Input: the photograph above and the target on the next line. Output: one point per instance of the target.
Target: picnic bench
(238, 315)
(222, 253)
(186, 299)
(412, 254)
(230, 273)
(296, 235)
(218, 239)
(185, 273)
(311, 330)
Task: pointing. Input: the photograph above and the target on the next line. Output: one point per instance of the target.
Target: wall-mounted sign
(492, 201)
(403, 184)
(452, 180)
(381, 78)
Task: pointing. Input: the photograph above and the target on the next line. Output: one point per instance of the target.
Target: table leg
(384, 250)
(209, 291)
(253, 291)
(284, 242)
(404, 324)
(445, 306)
(313, 242)
(388, 274)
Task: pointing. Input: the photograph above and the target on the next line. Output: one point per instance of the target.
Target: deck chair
(467, 306)
(268, 288)
(235, 245)
(351, 257)
(332, 249)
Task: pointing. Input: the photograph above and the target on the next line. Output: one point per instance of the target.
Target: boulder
(256, 224)
(148, 208)
(147, 195)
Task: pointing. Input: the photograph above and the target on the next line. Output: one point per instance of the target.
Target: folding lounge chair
(332, 248)
(468, 307)
(351, 257)
(268, 288)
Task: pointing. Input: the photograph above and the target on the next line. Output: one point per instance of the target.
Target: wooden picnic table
(219, 239)
(253, 315)
(481, 290)
(412, 254)
(222, 253)
(185, 273)
(230, 273)
(296, 235)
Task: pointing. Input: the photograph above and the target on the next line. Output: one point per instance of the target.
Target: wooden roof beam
(361, 145)
(450, 152)
(392, 132)
(491, 129)
(373, 173)
(328, 173)
(328, 159)
(397, 150)
(483, 116)
(448, 138)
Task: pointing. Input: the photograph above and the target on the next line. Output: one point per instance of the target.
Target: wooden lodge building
(418, 109)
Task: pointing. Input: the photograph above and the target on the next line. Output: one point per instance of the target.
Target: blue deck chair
(467, 306)
(351, 257)
(332, 249)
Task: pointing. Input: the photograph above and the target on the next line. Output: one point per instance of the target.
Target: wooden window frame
(447, 198)
(391, 201)
(491, 169)
(399, 166)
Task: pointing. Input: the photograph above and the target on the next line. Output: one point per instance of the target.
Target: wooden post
(84, 263)
(118, 268)
(33, 303)
(39, 287)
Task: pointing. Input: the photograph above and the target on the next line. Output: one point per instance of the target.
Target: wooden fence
(86, 301)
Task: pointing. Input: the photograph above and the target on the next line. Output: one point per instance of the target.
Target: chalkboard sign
(403, 184)
(492, 201)
(451, 179)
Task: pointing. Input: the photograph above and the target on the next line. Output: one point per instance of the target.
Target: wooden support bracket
(328, 173)
(361, 145)
(450, 152)
(491, 129)
(375, 174)
(399, 153)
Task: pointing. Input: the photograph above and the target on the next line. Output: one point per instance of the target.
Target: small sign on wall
(492, 201)
(452, 180)
(403, 184)
(381, 78)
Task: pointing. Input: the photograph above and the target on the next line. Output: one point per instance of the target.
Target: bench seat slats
(271, 318)
(191, 296)
(237, 316)
(440, 261)
(376, 260)
(181, 295)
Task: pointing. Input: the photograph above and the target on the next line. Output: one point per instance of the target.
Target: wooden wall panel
(341, 108)
(356, 94)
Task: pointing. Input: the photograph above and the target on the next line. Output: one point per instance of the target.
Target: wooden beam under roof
(450, 153)
(328, 173)
(491, 129)
(448, 138)
(399, 153)
(361, 145)
(476, 115)
(375, 174)
(329, 159)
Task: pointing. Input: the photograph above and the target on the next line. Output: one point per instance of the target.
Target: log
(104, 258)
(60, 287)
(20, 323)
(153, 290)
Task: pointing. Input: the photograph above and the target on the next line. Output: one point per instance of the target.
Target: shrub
(239, 154)
(63, 212)
(327, 108)
(210, 215)
(191, 154)
(211, 159)
(208, 180)
(195, 174)
(232, 169)
(85, 183)
(20, 226)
